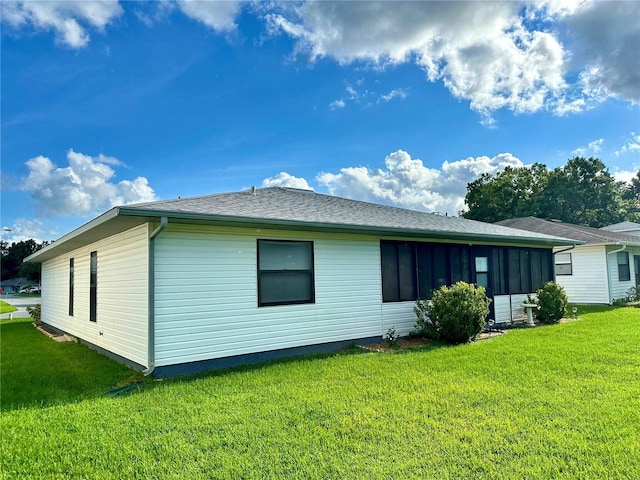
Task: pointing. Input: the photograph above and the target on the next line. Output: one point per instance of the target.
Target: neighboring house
(196, 283)
(629, 228)
(13, 285)
(601, 270)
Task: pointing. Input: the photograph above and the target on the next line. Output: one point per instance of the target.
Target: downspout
(624, 247)
(151, 327)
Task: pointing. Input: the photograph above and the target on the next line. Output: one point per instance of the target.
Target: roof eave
(231, 220)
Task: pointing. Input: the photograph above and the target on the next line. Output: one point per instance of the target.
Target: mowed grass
(6, 307)
(552, 402)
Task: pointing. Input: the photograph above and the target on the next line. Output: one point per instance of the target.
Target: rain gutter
(151, 336)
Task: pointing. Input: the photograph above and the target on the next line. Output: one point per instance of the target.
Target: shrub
(552, 303)
(455, 314)
(633, 294)
(393, 339)
(34, 312)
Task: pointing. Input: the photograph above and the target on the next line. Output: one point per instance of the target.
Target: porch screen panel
(425, 270)
(460, 264)
(389, 259)
(407, 271)
(440, 271)
(500, 276)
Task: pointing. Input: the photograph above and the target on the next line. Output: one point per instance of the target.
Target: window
(93, 287)
(398, 271)
(71, 273)
(563, 264)
(411, 270)
(285, 272)
(482, 272)
(624, 273)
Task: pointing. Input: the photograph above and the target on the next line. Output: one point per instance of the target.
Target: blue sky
(108, 103)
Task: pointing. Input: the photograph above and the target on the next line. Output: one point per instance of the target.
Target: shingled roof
(588, 235)
(289, 205)
(293, 209)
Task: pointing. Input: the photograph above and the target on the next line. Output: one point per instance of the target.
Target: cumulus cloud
(82, 188)
(24, 229)
(283, 179)
(409, 183)
(67, 18)
(493, 54)
(219, 16)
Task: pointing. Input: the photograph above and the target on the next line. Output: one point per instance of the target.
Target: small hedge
(552, 301)
(454, 314)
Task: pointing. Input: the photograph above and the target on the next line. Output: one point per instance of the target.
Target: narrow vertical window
(71, 273)
(624, 272)
(93, 287)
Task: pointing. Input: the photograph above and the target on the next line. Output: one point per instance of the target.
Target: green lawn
(553, 402)
(6, 307)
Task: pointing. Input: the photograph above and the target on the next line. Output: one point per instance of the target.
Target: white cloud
(283, 179)
(493, 54)
(336, 104)
(624, 175)
(632, 145)
(409, 183)
(67, 18)
(24, 229)
(395, 93)
(217, 15)
(82, 188)
(592, 148)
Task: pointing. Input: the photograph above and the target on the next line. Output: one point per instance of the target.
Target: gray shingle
(589, 235)
(292, 205)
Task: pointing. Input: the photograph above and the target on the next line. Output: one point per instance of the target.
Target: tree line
(12, 256)
(581, 192)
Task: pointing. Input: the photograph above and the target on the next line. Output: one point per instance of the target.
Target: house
(191, 284)
(13, 285)
(601, 270)
(630, 228)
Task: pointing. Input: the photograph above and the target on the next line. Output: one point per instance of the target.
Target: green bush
(633, 294)
(552, 303)
(455, 314)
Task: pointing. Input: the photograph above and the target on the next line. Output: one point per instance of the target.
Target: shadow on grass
(38, 371)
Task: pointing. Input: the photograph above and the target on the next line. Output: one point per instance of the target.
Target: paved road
(21, 303)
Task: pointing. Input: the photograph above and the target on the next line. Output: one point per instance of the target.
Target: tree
(514, 192)
(581, 192)
(14, 254)
(631, 197)
(585, 193)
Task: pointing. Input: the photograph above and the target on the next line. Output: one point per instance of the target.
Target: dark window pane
(515, 285)
(285, 272)
(425, 270)
(93, 287)
(71, 281)
(525, 273)
(440, 274)
(500, 275)
(407, 271)
(482, 279)
(285, 287)
(536, 269)
(624, 273)
(389, 259)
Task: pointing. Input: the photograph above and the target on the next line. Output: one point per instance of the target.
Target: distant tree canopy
(581, 192)
(12, 256)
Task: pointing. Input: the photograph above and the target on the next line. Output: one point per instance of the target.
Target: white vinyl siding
(619, 289)
(122, 294)
(588, 282)
(206, 294)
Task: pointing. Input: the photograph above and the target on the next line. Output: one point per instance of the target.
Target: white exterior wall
(206, 294)
(619, 289)
(122, 305)
(588, 282)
